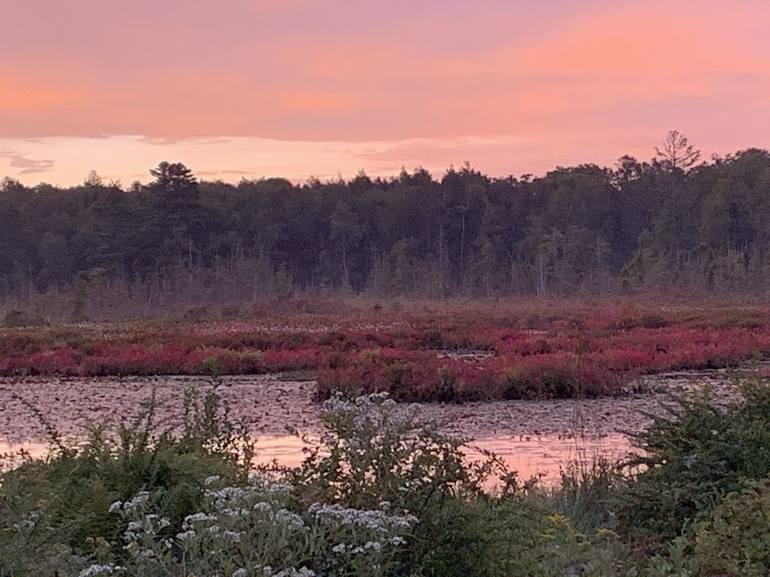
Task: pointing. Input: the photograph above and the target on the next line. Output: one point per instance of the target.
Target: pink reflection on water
(285, 450)
(543, 456)
(546, 456)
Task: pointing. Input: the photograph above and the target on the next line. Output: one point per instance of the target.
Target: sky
(298, 88)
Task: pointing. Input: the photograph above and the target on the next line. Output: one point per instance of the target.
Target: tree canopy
(663, 224)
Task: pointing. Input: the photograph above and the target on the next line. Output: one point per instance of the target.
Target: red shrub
(544, 352)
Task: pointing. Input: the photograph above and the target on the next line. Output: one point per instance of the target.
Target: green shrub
(375, 452)
(446, 385)
(513, 537)
(398, 378)
(212, 366)
(735, 541)
(693, 456)
(514, 387)
(60, 504)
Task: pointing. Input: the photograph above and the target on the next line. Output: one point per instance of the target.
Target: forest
(673, 224)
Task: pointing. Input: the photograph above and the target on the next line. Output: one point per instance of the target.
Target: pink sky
(298, 88)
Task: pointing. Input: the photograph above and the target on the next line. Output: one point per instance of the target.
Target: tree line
(669, 223)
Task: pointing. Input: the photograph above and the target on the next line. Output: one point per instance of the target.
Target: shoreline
(269, 404)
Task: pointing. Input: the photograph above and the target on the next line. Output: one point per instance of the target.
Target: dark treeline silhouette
(666, 224)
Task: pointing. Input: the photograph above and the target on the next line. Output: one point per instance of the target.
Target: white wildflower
(199, 518)
(286, 517)
(234, 513)
(292, 572)
(137, 502)
(232, 536)
(227, 494)
(373, 545)
(186, 535)
(278, 488)
(375, 520)
(95, 570)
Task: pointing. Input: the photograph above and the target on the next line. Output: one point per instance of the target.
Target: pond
(532, 437)
(542, 457)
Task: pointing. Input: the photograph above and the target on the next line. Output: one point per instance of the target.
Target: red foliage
(460, 355)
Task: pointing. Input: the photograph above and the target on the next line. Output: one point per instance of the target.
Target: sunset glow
(298, 88)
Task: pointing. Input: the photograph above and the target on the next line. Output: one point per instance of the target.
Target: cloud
(378, 70)
(299, 87)
(25, 165)
(128, 158)
(226, 173)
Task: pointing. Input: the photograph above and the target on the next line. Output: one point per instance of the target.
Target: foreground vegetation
(388, 494)
(447, 352)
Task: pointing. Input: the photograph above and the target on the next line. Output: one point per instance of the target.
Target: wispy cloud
(24, 165)
(129, 158)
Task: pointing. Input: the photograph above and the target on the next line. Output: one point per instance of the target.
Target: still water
(542, 456)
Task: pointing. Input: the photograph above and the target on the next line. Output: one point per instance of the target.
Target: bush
(692, 457)
(256, 529)
(384, 494)
(196, 314)
(597, 351)
(19, 319)
(735, 541)
(446, 385)
(374, 452)
(60, 504)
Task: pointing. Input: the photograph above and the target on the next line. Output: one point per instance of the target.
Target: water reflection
(531, 456)
(545, 456)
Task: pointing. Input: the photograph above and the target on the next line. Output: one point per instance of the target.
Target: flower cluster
(253, 529)
(377, 521)
(101, 570)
